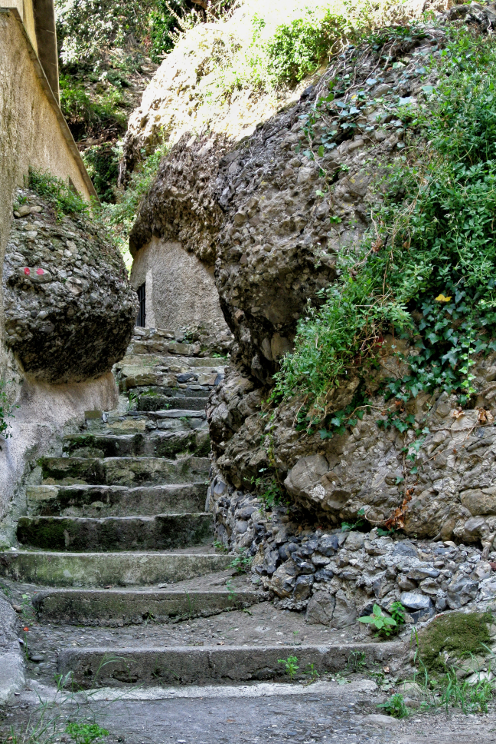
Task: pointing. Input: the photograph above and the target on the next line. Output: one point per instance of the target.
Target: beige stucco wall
(180, 290)
(33, 133)
(37, 429)
(26, 13)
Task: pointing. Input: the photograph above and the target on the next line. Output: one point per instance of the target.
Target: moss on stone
(453, 637)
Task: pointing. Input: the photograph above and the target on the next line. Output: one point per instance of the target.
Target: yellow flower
(442, 298)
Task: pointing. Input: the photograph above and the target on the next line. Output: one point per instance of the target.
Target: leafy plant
(311, 672)
(268, 489)
(395, 706)
(290, 665)
(398, 613)
(349, 526)
(85, 733)
(219, 545)
(356, 661)
(384, 624)
(63, 198)
(242, 563)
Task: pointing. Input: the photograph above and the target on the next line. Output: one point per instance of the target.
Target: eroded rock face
(254, 208)
(69, 308)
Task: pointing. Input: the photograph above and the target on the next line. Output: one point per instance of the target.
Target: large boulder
(69, 308)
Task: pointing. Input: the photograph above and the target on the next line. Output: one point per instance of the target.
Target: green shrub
(102, 164)
(63, 198)
(119, 217)
(432, 254)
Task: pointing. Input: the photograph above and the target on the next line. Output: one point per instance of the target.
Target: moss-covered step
(115, 607)
(123, 471)
(161, 532)
(115, 501)
(104, 569)
(136, 422)
(118, 667)
(164, 402)
(147, 444)
(139, 374)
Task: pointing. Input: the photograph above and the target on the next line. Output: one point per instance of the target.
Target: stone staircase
(117, 535)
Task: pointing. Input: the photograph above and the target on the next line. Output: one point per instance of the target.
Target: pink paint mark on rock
(39, 272)
(27, 271)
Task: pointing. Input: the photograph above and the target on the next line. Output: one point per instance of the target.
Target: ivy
(427, 270)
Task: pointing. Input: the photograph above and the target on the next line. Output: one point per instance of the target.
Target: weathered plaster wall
(26, 14)
(180, 290)
(43, 411)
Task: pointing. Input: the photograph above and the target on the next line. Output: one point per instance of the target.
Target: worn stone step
(115, 607)
(133, 422)
(163, 403)
(115, 501)
(184, 391)
(119, 667)
(133, 376)
(144, 444)
(103, 569)
(78, 534)
(123, 471)
(177, 362)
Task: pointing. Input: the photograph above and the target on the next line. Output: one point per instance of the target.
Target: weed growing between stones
(290, 665)
(242, 563)
(6, 412)
(427, 270)
(384, 625)
(395, 706)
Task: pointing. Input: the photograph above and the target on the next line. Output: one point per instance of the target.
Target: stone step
(141, 444)
(182, 391)
(80, 534)
(134, 375)
(115, 501)
(123, 471)
(163, 403)
(116, 607)
(186, 665)
(104, 569)
(178, 362)
(133, 422)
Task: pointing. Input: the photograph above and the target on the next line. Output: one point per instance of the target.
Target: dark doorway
(142, 307)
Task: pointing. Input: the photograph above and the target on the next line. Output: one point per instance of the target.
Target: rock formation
(69, 309)
(276, 216)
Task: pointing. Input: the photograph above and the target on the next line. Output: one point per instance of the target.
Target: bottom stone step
(104, 569)
(118, 667)
(115, 607)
